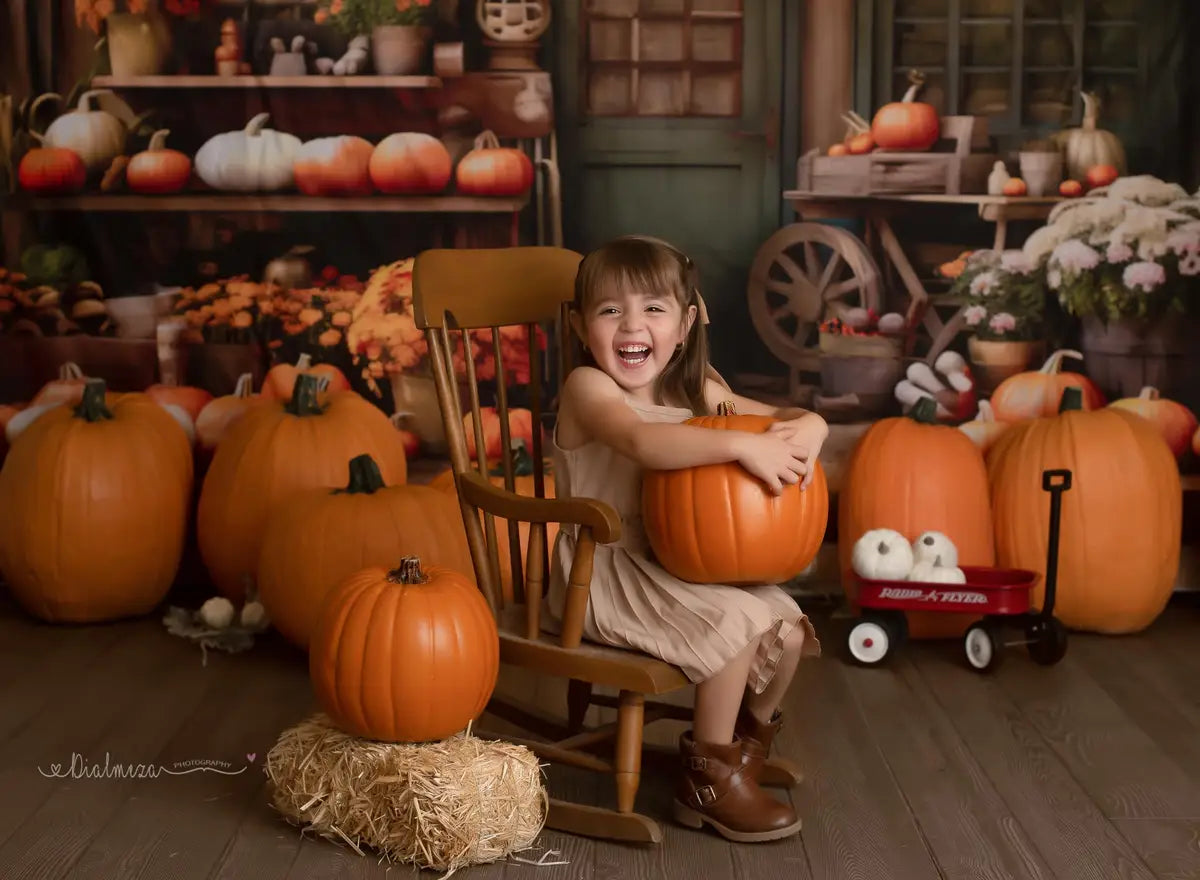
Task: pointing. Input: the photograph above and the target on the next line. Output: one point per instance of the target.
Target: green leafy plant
(354, 17)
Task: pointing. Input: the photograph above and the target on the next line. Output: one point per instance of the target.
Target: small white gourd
(254, 615)
(931, 545)
(882, 554)
(931, 571)
(217, 612)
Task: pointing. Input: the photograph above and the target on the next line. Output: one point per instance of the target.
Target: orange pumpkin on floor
(520, 427)
(187, 397)
(334, 166)
(492, 170)
(523, 484)
(94, 503)
(1118, 552)
(913, 475)
(1035, 393)
(325, 535)
(1174, 421)
(408, 655)
(280, 380)
(719, 524)
(218, 414)
(270, 455)
(412, 163)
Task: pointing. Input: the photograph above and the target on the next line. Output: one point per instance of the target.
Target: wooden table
(876, 212)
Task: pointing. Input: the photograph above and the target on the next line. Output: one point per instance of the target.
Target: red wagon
(1000, 595)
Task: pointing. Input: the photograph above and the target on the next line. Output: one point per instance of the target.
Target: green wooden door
(669, 126)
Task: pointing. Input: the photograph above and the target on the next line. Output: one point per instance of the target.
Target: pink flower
(1118, 252)
(974, 314)
(983, 284)
(1145, 276)
(1002, 322)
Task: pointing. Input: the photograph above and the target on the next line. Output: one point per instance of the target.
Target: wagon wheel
(802, 275)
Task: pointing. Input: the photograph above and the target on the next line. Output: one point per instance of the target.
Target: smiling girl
(640, 320)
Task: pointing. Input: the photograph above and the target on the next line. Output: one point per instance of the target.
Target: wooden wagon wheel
(802, 275)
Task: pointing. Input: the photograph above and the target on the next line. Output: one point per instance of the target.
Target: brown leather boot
(716, 789)
(756, 738)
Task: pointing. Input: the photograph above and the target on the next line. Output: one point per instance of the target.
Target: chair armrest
(599, 516)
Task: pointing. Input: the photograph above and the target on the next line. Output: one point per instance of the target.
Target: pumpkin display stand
(442, 805)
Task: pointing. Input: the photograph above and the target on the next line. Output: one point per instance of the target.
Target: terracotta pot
(138, 44)
(993, 361)
(399, 49)
(1042, 172)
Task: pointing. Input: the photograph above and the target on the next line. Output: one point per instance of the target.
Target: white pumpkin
(882, 554)
(931, 571)
(1089, 145)
(255, 159)
(931, 545)
(97, 136)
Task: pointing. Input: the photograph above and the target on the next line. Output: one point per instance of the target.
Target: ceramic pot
(399, 49)
(138, 44)
(416, 396)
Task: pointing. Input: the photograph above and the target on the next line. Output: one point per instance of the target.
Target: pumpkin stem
(365, 478)
(70, 370)
(304, 397)
(1072, 399)
(884, 548)
(726, 408)
(924, 411)
(304, 361)
(1091, 110)
(1149, 393)
(158, 140)
(487, 140)
(245, 386)
(916, 80)
(522, 461)
(255, 126)
(92, 407)
(1054, 363)
(408, 572)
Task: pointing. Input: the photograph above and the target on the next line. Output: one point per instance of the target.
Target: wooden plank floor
(1090, 769)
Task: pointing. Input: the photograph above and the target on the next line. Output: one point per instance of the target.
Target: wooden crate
(959, 164)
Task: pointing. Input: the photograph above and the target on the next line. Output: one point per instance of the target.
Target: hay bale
(441, 805)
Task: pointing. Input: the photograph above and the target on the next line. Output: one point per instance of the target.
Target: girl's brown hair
(644, 263)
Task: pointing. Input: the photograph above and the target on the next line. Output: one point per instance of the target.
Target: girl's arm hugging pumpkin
(593, 407)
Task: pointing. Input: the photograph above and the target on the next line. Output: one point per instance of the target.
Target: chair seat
(598, 664)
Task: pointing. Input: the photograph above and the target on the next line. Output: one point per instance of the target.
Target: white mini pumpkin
(930, 545)
(882, 554)
(931, 571)
(255, 159)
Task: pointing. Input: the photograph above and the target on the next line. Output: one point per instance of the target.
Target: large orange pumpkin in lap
(719, 524)
(407, 655)
(325, 535)
(94, 502)
(271, 454)
(912, 475)
(1118, 551)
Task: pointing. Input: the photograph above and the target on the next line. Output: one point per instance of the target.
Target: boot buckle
(697, 762)
(705, 795)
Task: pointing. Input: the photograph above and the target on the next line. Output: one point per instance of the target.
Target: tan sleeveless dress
(634, 603)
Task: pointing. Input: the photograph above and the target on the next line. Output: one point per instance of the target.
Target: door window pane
(1048, 97)
(986, 45)
(1110, 45)
(663, 57)
(920, 45)
(921, 8)
(1049, 45)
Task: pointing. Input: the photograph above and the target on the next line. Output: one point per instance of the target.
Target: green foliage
(354, 17)
(1005, 296)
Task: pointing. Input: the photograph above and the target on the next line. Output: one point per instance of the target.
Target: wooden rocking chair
(455, 292)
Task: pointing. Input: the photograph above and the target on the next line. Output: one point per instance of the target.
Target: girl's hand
(772, 459)
(807, 433)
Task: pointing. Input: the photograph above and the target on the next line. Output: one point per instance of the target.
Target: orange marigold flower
(291, 328)
(330, 338)
(243, 319)
(340, 319)
(310, 316)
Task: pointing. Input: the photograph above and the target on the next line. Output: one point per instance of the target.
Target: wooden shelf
(282, 202)
(315, 81)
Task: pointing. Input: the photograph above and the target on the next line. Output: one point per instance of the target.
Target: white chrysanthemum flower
(974, 314)
(1042, 242)
(1118, 252)
(1075, 256)
(1143, 276)
(1016, 262)
(1145, 189)
(1054, 279)
(984, 284)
